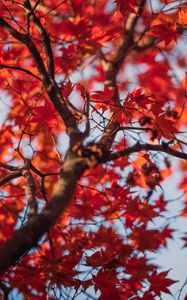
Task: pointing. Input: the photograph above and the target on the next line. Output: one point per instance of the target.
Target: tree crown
(93, 115)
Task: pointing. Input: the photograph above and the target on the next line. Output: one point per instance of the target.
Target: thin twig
(147, 147)
(20, 69)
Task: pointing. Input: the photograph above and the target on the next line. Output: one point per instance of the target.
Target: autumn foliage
(93, 121)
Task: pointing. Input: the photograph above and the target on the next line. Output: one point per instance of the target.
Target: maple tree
(95, 93)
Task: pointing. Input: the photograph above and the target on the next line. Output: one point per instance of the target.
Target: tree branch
(3, 66)
(10, 176)
(8, 167)
(113, 68)
(45, 37)
(147, 147)
(29, 235)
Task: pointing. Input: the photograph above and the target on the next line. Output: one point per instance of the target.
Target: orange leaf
(182, 16)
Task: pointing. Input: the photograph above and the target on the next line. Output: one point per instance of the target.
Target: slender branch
(53, 8)
(20, 69)
(10, 176)
(181, 289)
(36, 4)
(35, 170)
(135, 128)
(45, 37)
(147, 147)
(11, 168)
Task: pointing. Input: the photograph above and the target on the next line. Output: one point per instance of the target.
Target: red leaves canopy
(93, 102)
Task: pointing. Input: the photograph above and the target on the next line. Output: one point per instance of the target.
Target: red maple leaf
(139, 97)
(45, 115)
(165, 127)
(67, 89)
(165, 32)
(160, 283)
(105, 95)
(103, 98)
(126, 7)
